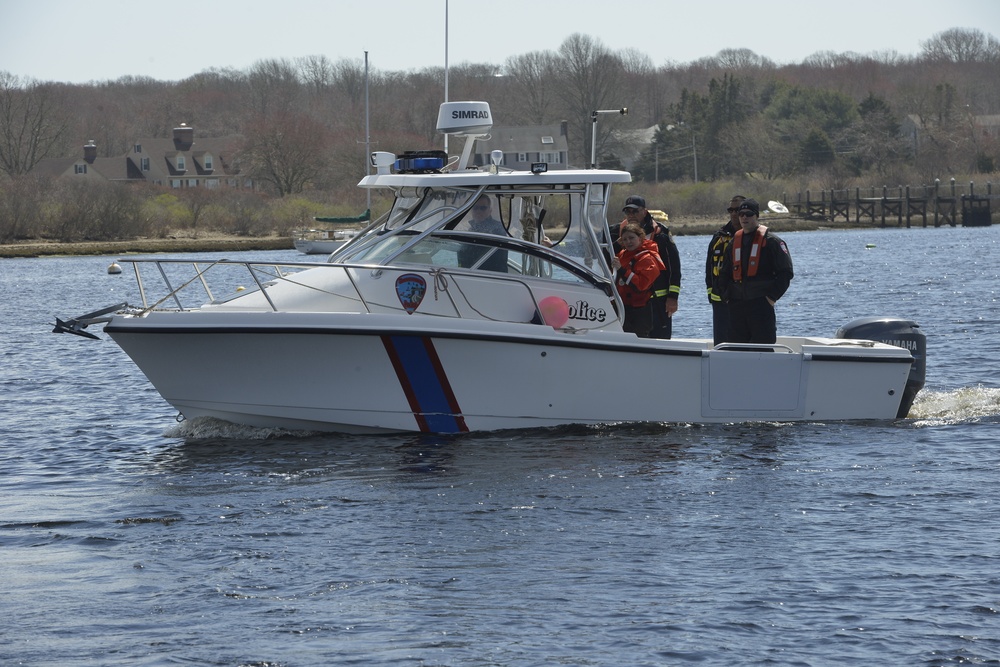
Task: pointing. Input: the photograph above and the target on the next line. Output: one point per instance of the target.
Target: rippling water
(129, 539)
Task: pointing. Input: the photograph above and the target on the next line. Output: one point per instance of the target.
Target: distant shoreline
(689, 226)
(144, 246)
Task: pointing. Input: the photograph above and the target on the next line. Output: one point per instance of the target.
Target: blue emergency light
(420, 162)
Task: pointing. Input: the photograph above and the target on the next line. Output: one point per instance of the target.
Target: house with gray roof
(180, 161)
(87, 166)
(183, 161)
(525, 145)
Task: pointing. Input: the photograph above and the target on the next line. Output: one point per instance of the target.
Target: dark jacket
(774, 272)
(716, 256)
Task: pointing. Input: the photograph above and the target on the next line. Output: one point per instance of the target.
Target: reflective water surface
(130, 539)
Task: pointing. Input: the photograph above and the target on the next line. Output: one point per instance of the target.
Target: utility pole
(694, 151)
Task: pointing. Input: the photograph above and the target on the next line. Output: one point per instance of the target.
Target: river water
(129, 539)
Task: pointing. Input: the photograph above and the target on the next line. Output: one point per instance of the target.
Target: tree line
(828, 122)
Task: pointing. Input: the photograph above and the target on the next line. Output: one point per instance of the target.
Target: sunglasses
(747, 214)
(732, 210)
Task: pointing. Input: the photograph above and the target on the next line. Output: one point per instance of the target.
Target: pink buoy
(555, 311)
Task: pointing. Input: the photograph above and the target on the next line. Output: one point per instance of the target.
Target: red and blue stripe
(425, 384)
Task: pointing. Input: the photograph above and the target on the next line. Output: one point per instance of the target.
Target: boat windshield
(570, 220)
(414, 211)
(422, 209)
(490, 253)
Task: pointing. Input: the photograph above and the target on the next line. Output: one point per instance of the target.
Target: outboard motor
(901, 333)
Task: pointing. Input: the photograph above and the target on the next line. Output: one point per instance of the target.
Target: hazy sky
(98, 40)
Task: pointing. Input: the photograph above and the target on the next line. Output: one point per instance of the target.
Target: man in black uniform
(756, 272)
(713, 266)
(667, 287)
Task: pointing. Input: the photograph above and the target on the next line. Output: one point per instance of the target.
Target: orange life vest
(753, 261)
(637, 269)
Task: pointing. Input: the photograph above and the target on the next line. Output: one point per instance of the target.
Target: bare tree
(531, 77)
(21, 203)
(196, 201)
(476, 81)
(947, 92)
(94, 211)
(647, 104)
(272, 86)
(740, 60)
(423, 91)
(829, 59)
(589, 79)
(286, 151)
(31, 123)
(317, 73)
(962, 45)
(349, 79)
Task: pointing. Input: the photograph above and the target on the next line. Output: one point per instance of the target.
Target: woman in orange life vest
(756, 272)
(637, 267)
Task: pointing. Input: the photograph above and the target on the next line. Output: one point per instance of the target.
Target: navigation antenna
(593, 134)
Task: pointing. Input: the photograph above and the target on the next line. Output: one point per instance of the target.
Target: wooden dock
(949, 205)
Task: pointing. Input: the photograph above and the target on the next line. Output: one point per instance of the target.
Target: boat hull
(318, 246)
(357, 373)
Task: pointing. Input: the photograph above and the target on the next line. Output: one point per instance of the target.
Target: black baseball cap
(635, 201)
(750, 205)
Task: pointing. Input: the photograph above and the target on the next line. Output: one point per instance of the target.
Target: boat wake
(933, 408)
(209, 428)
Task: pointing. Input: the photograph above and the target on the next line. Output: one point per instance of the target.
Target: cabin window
(80, 169)
(138, 148)
(522, 157)
(208, 163)
(551, 158)
(181, 163)
(547, 140)
(175, 182)
(144, 164)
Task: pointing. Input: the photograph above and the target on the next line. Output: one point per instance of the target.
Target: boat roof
(477, 178)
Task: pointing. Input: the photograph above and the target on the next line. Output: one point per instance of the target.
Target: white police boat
(422, 323)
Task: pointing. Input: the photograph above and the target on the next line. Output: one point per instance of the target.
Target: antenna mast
(368, 136)
(446, 67)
